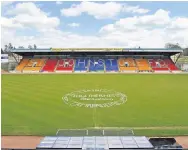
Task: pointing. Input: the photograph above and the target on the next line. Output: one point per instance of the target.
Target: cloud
(56, 38)
(28, 8)
(59, 2)
(6, 3)
(101, 10)
(10, 23)
(179, 23)
(73, 25)
(29, 15)
(152, 30)
(148, 30)
(159, 18)
(134, 9)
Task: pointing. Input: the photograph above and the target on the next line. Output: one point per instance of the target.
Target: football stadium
(95, 98)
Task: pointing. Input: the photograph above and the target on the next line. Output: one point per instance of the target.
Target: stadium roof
(97, 50)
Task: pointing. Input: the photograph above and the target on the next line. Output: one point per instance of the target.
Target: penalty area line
(144, 128)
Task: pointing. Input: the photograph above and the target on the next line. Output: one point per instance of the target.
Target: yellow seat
(36, 62)
(28, 69)
(143, 65)
(22, 64)
(127, 64)
(41, 62)
(34, 65)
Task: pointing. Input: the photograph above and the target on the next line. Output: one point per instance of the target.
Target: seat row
(96, 65)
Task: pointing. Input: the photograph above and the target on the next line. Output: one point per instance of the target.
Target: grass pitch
(156, 105)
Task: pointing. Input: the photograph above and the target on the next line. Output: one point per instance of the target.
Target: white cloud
(59, 2)
(146, 31)
(56, 38)
(6, 3)
(25, 8)
(73, 25)
(149, 30)
(134, 9)
(10, 23)
(159, 18)
(29, 15)
(179, 23)
(101, 10)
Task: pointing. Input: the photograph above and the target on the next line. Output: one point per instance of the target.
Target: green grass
(32, 104)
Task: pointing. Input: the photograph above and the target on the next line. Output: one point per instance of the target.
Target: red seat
(65, 65)
(50, 65)
(158, 65)
(160, 69)
(171, 65)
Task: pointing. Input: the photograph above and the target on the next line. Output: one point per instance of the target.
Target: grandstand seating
(96, 65)
(31, 69)
(81, 65)
(158, 65)
(171, 65)
(143, 65)
(50, 65)
(111, 65)
(22, 64)
(34, 65)
(65, 65)
(127, 65)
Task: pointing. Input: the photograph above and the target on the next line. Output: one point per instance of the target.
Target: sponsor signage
(86, 49)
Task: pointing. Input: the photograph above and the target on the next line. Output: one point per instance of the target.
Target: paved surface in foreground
(20, 141)
(33, 141)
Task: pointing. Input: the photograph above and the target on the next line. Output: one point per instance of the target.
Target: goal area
(94, 132)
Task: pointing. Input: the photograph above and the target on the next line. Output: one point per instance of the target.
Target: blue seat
(81, 65)
(96, 65)
(111, 65)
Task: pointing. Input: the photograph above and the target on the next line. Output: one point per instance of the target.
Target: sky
(95, 24)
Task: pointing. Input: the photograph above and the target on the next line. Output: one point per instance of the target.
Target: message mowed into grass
(33, 104)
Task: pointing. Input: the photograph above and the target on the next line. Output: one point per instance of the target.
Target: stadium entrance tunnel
(165, 143)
